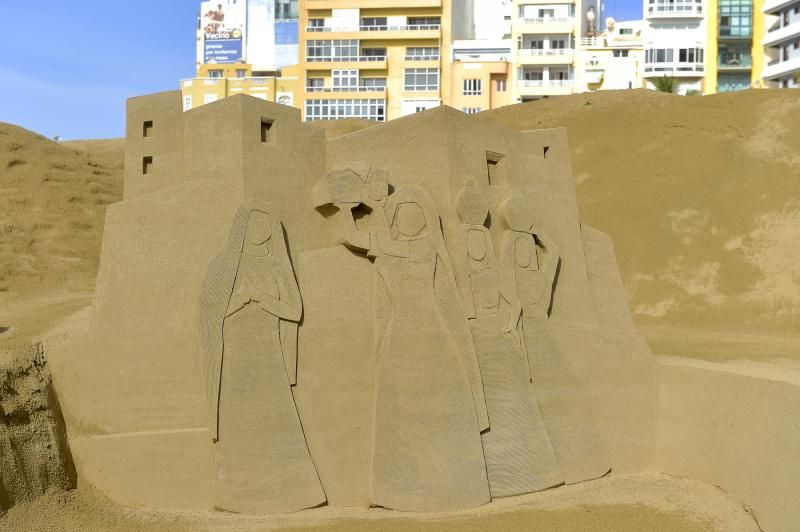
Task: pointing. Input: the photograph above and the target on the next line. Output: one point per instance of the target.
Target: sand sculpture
(400, 317)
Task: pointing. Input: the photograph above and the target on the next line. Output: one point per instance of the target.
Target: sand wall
(734, 426)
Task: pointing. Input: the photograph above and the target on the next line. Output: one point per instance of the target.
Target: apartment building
(480, 72)
(734, 53)
(245, 47)
(546, 37)
(614, 59)
(675, 36)
(378, 59)
(782, 43)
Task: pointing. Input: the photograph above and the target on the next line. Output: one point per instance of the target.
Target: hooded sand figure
(249, 309)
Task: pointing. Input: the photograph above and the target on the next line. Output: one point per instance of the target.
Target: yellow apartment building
(479, 75)
(377, 59)
(214, 82)
(735, 56)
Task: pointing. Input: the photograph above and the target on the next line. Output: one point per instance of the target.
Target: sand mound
(701, 196)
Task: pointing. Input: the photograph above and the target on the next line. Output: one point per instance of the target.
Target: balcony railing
(346, 89)
(220, 81)
(535, 83)
(675, 69)
(538, 52)
(422, 58)
(675, 10)
(546, 20)
(359, 59)
(732, 64)
(407, 27)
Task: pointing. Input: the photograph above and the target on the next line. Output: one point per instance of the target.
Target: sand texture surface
(627, 503)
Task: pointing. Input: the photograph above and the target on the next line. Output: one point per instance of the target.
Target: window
(147, 165)
(187, 103)
(335, 50)
(373, 23)
(501, 85)
(315, 85)
(379, 54)
(374, 84)
(422, 79)
(626, 31)
(215, 74)
(240, 73)
(209, 98)
(472, 110)
(344, 80)
(369, 109)
(422, 53)
(533, 75)
(621, 53)
(546, 13)
(424, 23)
(420, 108)
(147, 128)
(558, 44)
(266, 128)
(735, 18)
(316, 23)
(473, 87)
(286, 10)
(493, 167)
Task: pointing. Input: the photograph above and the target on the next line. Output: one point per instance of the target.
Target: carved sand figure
(534, 261)
(249, 309)
(519, 455)
(429, 403)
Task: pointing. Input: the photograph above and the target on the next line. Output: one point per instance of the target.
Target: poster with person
(222, 23)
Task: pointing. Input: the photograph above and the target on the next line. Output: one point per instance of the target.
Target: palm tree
(665, 84)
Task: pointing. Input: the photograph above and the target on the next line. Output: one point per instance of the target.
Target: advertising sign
(287, 36)
(222, 23)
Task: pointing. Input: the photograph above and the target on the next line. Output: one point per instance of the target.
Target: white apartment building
(546, 37)
(493, 19)
(782, 43)
(675, 42)
(614, 59)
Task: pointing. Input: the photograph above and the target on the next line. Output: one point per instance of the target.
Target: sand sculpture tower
(408, 316)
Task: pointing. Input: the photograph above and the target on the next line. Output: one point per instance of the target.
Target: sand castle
(410, 316)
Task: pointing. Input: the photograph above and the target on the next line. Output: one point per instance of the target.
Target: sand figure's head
(517, 214)
(411, 215)
(259, 228)
(409, 222)
(472, 205)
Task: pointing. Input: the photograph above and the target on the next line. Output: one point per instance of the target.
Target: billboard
(287, 36)
(223, 23)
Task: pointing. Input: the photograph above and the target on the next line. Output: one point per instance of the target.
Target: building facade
(245, 47)
(378, 59)
(480, 73)
(782, 43)
(735, 55)
(675, 37)
(614, 59)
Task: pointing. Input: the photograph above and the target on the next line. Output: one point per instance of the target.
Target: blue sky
(69, 66)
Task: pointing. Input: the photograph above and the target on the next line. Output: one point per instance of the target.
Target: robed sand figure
(534, 260)
(249, 309)
(519, 454)
(429, 405)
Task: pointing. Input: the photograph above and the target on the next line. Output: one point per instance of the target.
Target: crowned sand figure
(519, 455)
(534, 261)
(249, 309)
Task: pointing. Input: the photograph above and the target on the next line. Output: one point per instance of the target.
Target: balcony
(545, 87)
(377, 62)
(780, 36)
(744, 62)
(675, 69)
(555, 56)
(339, 92)
(676, 10)
(367, 4)
(774, 7)
(546, 25)
(227, 86)
(416, 31)
(781, 69)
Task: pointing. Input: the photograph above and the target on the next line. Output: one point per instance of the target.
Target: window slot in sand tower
(147, 165)
(545, 149)
(267, 133)
(494, 168)
(147, 129)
